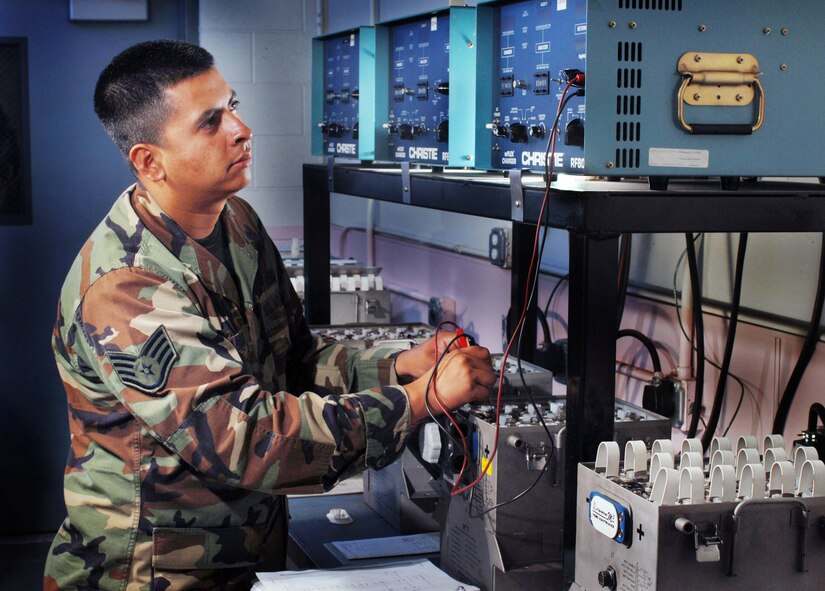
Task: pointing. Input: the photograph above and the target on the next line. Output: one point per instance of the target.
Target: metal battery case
(673, 87)
(519, 545)
(403, 494)
(357, 293)
(741, 544)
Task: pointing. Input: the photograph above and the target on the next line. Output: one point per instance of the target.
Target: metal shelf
(595, 213)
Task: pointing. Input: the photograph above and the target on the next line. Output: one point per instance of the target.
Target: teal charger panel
(534, 46)
(425, 89)
(343, 94)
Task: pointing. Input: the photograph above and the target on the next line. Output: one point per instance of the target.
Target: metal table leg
(591, 380)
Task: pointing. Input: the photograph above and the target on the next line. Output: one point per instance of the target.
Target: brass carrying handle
(720, 129)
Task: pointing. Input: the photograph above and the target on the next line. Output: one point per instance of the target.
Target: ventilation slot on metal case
(674, 5)
(628, 106)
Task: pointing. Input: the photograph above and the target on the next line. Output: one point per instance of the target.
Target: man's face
(206, 149)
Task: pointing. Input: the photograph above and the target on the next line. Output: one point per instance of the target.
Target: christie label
(346, 149)
(537, 159)
(417, 153)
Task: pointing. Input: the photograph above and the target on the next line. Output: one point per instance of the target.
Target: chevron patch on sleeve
(149, 370)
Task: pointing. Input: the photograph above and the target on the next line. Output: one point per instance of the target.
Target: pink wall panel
(763, 358)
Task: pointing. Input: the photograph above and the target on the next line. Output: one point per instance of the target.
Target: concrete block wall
(263, 50)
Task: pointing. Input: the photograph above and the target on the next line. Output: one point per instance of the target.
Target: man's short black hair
(129, 94)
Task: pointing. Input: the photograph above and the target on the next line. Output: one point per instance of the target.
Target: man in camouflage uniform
(179, 339)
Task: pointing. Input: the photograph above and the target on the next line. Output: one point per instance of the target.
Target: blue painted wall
(76, 175)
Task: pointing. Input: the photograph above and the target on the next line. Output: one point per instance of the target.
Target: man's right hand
(464, 375)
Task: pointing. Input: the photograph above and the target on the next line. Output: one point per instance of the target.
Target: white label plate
(678, 158)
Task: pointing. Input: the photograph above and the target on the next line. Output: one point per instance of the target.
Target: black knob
(405, 130)
(518, 133)
(336, 130)
(442, 132)
(443, 88)
(574, 133)
(607, 578)
(537, 131)
(355, 131)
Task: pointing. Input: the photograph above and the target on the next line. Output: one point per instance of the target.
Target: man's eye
(211, 122)
(234, 104)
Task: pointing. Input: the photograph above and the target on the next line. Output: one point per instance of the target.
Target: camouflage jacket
(182, 428)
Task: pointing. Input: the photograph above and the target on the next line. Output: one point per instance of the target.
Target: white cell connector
(722, 482)
(607, 458)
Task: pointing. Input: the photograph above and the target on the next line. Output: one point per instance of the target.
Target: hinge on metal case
(719, 79)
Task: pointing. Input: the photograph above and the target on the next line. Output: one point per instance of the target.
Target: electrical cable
(553, 292)
(532, 276)
(545, 327)
(737, 379)
(431, 386)
(738, 405)
(699, 330)
(721, 384)
(648, 344)
(817, 411)
(808, 348)
(548, 179)
(520, 326)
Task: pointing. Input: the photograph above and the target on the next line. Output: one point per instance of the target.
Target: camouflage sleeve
(316, 362)
(180, 374)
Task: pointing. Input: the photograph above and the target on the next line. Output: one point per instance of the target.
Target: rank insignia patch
(149, 370)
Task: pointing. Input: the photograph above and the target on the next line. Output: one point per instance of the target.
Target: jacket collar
(214, 274)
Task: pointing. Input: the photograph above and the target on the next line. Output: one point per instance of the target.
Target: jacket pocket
(205, 557)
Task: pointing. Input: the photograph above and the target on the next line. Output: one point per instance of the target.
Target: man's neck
(196, 217)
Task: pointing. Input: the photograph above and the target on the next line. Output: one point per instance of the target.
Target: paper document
(420, 575)
(428, 543)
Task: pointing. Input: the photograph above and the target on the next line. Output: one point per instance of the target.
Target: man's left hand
(415, 362)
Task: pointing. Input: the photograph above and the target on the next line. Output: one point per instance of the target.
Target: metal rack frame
(595, 213)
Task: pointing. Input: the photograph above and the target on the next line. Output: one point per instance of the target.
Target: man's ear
(148, 161)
